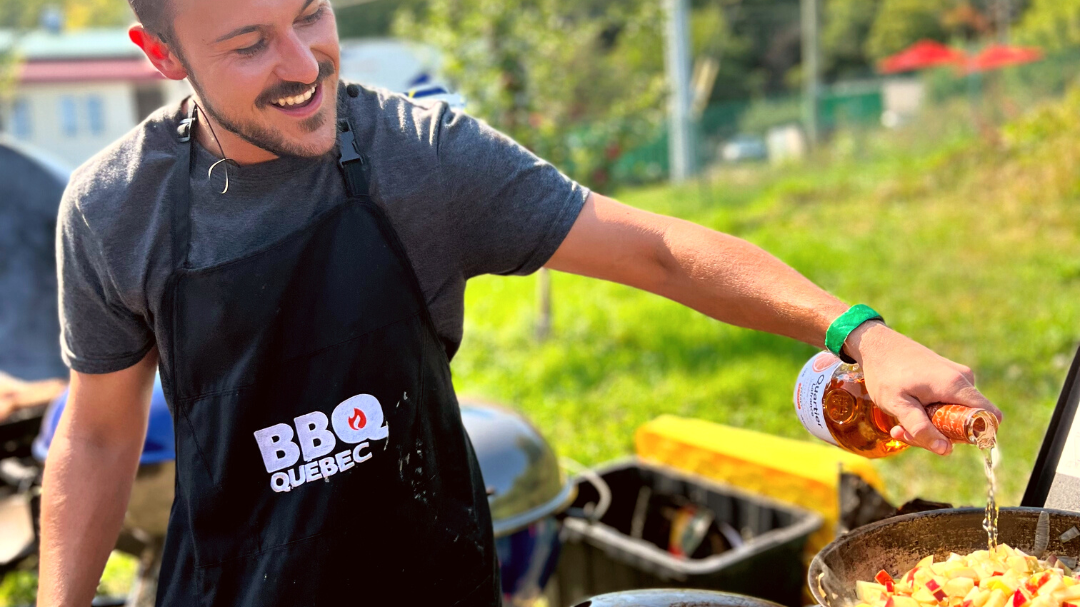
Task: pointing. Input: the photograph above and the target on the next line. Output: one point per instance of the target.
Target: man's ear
(158, 52)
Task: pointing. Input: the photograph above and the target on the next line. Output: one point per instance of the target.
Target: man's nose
(296, 62)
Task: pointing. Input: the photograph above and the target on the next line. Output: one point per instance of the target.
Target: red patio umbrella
(921, 55)
(998, 56)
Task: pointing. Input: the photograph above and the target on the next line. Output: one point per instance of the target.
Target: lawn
(968, 243)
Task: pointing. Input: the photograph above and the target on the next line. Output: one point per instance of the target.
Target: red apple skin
(1019, 598)
(890, 602)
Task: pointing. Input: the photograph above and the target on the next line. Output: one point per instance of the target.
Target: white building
(76, 92)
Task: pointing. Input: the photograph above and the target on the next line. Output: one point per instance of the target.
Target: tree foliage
(899, 23)
(78, 14)
(575, 81)
(1052, 24)
(843, 38)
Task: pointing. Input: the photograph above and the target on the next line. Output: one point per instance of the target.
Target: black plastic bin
(603, 556)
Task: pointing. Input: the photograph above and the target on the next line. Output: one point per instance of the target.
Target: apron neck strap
(353, 164)
(181, 188)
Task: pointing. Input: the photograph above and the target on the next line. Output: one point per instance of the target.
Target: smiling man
(303, 299)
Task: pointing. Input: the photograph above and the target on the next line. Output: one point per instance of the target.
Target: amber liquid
(990, 519)
(854, 421)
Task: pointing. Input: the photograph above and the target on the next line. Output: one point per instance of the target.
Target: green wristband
(843, 326)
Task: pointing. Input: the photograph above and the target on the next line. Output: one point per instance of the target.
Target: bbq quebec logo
(355, 422)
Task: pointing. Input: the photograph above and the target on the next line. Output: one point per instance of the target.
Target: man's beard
(267, 139)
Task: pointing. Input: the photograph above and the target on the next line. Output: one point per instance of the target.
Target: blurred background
(917, 155)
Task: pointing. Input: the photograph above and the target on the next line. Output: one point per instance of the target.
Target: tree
(848, 24)
(26, 14)
(575, 81)
(373, 19)
(899, 23)
(1052, 24)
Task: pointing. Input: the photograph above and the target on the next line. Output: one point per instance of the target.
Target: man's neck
(235, 148)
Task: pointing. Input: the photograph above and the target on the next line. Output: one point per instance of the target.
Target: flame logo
(358, 420)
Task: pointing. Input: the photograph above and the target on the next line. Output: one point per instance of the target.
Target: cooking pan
(675, 598)
(898, 543)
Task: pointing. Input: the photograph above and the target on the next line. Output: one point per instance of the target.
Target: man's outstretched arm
(88, 476)
(738, 283)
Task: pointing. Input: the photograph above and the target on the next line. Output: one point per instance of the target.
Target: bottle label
(810, 394)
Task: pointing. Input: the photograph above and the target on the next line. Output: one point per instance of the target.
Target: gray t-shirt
(464, 199)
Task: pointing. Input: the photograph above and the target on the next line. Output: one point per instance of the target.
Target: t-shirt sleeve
(512, 210)
(98, 332)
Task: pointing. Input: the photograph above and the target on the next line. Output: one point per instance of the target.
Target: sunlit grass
(969, 248)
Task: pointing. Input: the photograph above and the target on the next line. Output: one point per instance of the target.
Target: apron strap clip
(352, 162)
(187, 125)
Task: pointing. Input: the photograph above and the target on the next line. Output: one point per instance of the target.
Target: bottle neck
(964, 424)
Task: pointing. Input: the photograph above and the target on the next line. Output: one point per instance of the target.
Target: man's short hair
(154, 16)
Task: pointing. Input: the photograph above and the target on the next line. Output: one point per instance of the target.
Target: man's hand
(17, 394)
(903, 376)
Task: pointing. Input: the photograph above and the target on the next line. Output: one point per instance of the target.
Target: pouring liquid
(990, 519)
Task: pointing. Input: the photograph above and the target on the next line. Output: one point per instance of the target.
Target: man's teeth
(297, 100)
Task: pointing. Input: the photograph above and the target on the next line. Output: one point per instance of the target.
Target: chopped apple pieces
(1004, 577)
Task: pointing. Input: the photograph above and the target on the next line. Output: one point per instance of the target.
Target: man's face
(264, 69)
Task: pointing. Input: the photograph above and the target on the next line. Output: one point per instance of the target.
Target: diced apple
(1019, 599)
(868, 592)
(981, 598)
(904, 601)
(967, 572)
(1001, 586)
(997, 599)
(1072, 593)
(1019, 564)
(959, 587)
(926, 562)
(924, 595)
(936, 587)
(1051, 586)
(1036, 581)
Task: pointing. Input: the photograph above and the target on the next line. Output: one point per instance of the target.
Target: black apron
(321, 457)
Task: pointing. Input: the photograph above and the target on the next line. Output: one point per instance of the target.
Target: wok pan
(898, 543)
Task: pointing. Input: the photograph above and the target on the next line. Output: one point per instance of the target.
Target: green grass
(968, 246)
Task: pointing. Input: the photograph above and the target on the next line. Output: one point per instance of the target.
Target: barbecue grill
(526, 489)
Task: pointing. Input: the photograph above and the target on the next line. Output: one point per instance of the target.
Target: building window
(95, 113)
(69, 117)
(21, 124)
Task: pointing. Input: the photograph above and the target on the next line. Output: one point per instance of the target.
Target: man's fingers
(922, 433)
(971, 397)
(966, 371)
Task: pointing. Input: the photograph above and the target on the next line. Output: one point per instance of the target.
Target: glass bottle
(832, 403)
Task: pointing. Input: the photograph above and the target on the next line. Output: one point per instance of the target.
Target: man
(303, 328)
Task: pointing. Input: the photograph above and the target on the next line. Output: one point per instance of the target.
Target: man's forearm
(85, 494)
(738, 283)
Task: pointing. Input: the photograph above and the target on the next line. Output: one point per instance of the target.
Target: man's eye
(313, 17)
(249, 51)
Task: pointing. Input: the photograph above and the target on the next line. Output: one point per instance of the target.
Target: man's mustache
(292, 89)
